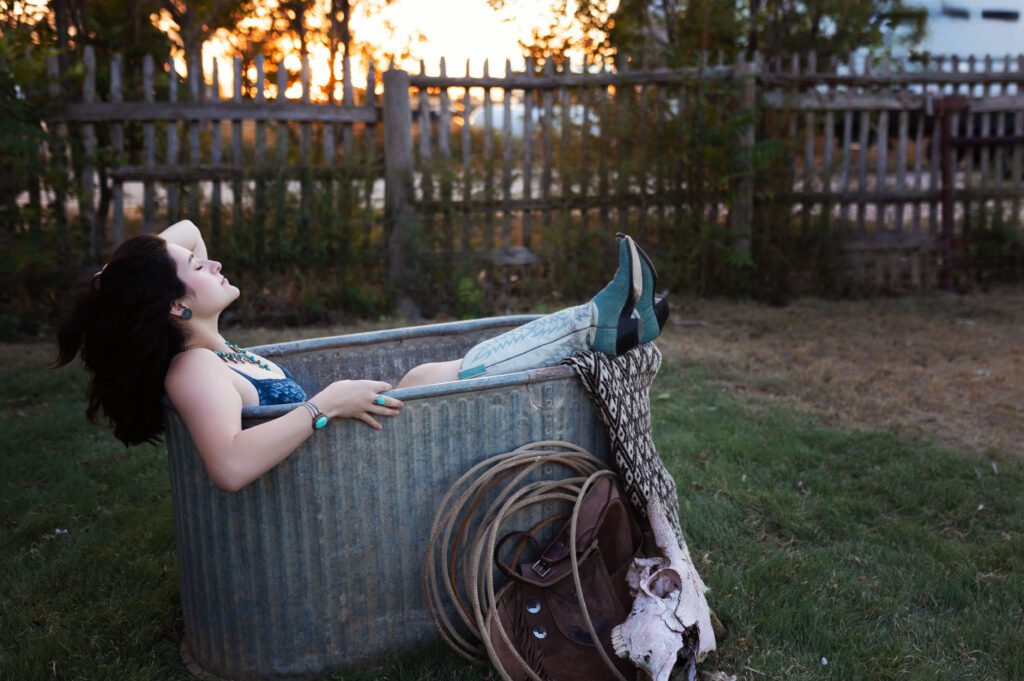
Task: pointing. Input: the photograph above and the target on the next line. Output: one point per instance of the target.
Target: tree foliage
(830, 28)
(283, 27)
(656, 33)
(23, 104)
(197, 20)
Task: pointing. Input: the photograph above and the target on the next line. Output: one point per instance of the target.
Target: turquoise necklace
(240, 356)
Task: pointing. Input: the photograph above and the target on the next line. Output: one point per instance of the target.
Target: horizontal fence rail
(222, 110)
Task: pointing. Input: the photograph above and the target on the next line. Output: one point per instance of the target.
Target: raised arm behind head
(185, 234)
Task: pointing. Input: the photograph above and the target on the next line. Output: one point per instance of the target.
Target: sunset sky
(454, 29)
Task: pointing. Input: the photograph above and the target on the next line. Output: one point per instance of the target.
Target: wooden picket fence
(547, 165)
(862, 143)
(262, 150)
(529, 171)
(868, 151)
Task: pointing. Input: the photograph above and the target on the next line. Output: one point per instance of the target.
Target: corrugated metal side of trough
(317, 566)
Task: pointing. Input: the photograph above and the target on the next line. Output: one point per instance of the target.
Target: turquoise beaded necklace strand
(240, 356)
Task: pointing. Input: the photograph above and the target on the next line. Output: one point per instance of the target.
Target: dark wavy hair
(121, 327)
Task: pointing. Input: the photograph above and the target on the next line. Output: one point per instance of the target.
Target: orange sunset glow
(427, 30)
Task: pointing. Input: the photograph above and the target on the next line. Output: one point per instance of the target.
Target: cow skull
(670, 619)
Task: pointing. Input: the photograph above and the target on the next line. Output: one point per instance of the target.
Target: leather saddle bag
(553, 618)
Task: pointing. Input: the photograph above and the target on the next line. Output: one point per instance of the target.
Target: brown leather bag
(544, 620)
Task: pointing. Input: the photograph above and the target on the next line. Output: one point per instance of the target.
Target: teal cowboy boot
(651, 308)
(608, 323)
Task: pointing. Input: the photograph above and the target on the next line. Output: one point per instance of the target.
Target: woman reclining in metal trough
(147, 325)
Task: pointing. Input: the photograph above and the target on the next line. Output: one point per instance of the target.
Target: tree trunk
(339, 36)
(62, 20)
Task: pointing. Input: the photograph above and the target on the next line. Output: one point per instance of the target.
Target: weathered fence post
(173, 212)
(399, 213)
(149, 149)
(87, 202)
(196, 84)
(945, 107)
(117, 146)
(59, 156)
(305, 148)
(741, 216)
(35, 192)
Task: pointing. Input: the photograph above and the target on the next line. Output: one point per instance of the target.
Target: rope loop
(533, 489)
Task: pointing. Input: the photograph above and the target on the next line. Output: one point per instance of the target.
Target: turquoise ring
(380, 400)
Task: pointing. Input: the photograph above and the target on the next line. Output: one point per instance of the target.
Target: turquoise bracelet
(319, 418)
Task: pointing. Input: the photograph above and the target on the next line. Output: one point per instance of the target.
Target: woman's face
(209, 290)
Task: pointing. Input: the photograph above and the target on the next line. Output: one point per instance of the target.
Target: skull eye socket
(664, 582)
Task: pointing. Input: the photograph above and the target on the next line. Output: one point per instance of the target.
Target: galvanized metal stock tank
(317, 566)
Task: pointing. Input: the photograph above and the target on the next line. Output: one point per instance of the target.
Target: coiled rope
(458, 569)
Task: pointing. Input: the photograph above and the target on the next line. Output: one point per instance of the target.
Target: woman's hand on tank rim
(357, 399)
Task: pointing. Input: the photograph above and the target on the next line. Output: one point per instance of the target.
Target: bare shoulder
(191, 366)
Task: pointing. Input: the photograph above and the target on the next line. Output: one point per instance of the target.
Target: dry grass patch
(940, 365)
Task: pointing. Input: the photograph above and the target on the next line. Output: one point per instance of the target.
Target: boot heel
(653, 309)
(661, 311)
(628, 334)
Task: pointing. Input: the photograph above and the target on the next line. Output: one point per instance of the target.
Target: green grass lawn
(831, 554)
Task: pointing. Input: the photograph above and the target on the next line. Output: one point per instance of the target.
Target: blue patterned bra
(276, 390)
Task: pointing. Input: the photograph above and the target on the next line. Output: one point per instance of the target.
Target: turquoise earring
(186, 314)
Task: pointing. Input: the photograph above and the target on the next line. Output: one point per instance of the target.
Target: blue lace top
(276, 390)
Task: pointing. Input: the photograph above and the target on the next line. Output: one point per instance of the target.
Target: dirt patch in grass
(941, 365)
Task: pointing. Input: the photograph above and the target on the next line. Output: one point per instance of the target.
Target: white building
(974, 27)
